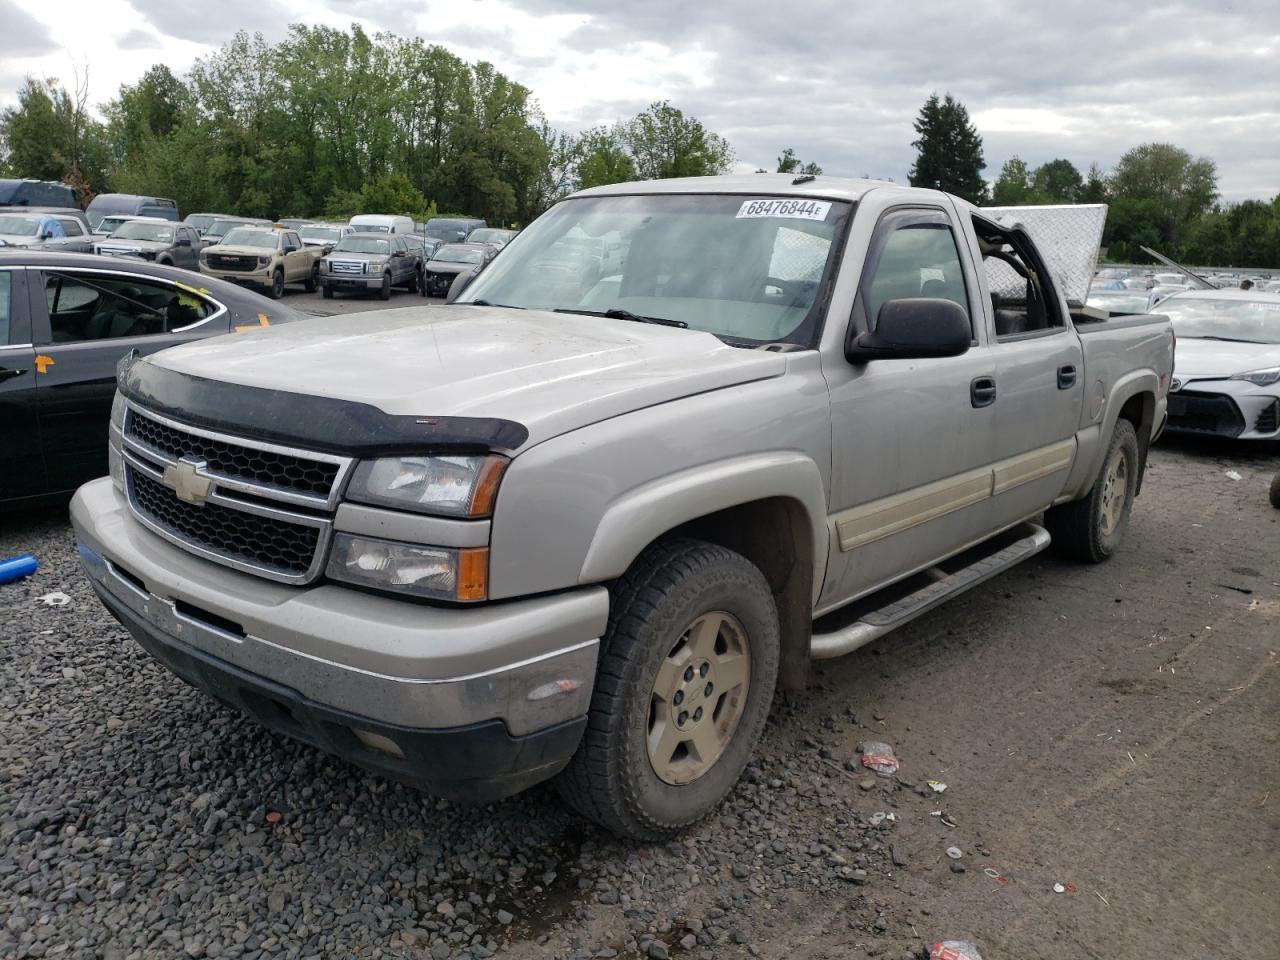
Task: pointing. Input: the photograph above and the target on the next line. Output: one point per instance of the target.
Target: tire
(1090, 529)
(415, 282)
(385, 292)
(1275, 491)
(680, 597)
(277, 284)
(313, 279)
(327, 292)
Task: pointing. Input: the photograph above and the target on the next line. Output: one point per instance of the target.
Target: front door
(912, 439)
(21, 459)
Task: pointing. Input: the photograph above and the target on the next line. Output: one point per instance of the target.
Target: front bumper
(256, 278)
(474, 703)
(438, 284)
(352, 281)
(1226, 408)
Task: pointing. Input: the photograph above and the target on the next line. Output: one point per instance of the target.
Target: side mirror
(400, 253)
(183, 242)
(460, 283)
(46, 234)
(915, 328)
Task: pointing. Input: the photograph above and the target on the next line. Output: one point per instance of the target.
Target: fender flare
(1125, 389)
(641, 515)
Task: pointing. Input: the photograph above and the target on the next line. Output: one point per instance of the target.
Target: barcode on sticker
(778, 207)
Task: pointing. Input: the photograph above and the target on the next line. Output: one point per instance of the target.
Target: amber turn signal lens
(473, 574)
(486, 488)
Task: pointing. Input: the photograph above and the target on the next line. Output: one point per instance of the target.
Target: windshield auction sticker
(792, 209)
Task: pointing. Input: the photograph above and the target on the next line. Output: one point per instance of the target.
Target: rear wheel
(277, 284)
(385, 292)
(1091, 529)
(686, 676)
(313, 279)
(1275, 491)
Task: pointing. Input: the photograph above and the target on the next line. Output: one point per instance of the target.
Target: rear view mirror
(460, 283)
(914, 328)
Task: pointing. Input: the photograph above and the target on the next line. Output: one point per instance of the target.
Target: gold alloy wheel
(1114, 491)
(698, 698)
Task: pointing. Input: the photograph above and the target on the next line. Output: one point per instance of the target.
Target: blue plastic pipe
(16, 568)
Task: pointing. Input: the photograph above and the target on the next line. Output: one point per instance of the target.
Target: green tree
(1176, 187)
(790, 163)
(392, 193)
(1057, 181)
(1013, 186)
(948, 150)
(1095, 186)
(663, 143)
(29, 131)
(603, 158)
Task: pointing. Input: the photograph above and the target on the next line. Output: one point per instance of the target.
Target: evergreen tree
(949, 150)
(1095, 187)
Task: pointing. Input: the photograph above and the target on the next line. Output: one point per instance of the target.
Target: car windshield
(200, 221)
(1119, 302)
(488, 235)
(141, 230)
(19, 226)
(742, 267)
(372, 227)
(112, 224)
(220, 228)
(265, 239)
(456, 253)
(1253, 321)
(362, 245)
(319, 233)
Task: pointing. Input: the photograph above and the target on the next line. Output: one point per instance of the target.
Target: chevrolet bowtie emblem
(187, 484)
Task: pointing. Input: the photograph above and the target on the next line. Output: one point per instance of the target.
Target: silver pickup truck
(678, 440)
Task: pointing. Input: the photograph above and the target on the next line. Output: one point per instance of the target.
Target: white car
(1226, 375)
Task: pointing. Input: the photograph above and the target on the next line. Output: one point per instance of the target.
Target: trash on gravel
(994, 874)
(955, 853)
(879, 757)
(273, 816)
(1059, 888)
(880, 817)
(15, 568)
(954, 950)
(937, 785)
(55, 599)
(1233, 475)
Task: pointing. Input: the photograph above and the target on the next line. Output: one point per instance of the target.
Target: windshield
(200, 221)
(220, 228)
(1254, 321)
(1120, 302)
(141, 230)
(488, 235)
(264, 239)
(747, 268)
(372, 227)
(452, 253)
(112, 224)
(352, 244)
(19, 226)
(319, 233)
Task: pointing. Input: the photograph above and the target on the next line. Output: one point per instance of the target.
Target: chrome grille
(258, 507)
(346, 266)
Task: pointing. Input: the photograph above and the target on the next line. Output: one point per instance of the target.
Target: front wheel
(1275, 491)
(313, 279)
(277, 284)
(327, 292)
(686, 676)
(1091, 529)
(385, 292)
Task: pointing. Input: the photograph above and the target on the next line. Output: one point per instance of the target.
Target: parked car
(57, 232)
(370, 261)
(325, 235)
(263, 257)
(36, 193)
(224, 225)
(203, 221)
(293, 223)
(451, 229)
(110, 224)
(1122, 301)
(451, 259)
(421, 247)
(381, 223)
(1227, 378)
(175, 244)
(602, 523)
(492, 236)
(66, 319)
(108, 203)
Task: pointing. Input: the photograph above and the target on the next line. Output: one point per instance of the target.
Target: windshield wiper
(486, 303)
(616, 314)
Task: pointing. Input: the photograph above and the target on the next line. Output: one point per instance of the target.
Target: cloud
(138, 40)
(213, 24)
(24, 35)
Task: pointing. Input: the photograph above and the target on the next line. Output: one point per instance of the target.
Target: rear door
(84, 322)
(189, 255)
(21, 459)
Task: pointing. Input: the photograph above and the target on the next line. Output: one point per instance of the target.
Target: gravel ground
(1110, 728)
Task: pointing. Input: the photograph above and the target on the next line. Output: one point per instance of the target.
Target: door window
(71, 226)
(6, 287)
(85, 306)
(917, 259)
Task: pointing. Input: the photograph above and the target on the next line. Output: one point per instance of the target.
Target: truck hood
(241, 251)
(109, 244)
(550, 372)
(1199, 359)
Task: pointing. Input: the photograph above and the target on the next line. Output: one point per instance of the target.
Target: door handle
(9, 374)
(982, 391)
(1066, 377)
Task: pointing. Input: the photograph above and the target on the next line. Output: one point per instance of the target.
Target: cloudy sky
(840, 81)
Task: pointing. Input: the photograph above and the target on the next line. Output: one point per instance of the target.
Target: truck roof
(824, 187)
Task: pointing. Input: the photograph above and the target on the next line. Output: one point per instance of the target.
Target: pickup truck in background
(581, 523)
(263, 257)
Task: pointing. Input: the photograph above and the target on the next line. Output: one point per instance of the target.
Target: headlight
(148, 254)
(432, 572)
(1261, 378)
(263, 261)
(446, 486)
